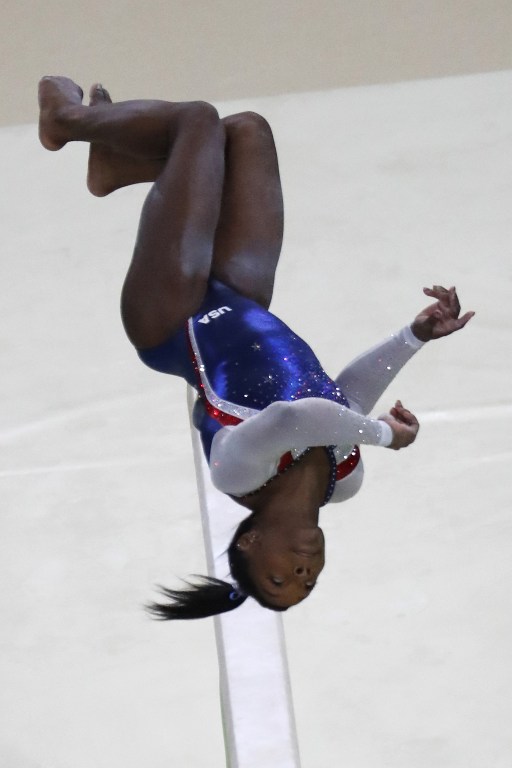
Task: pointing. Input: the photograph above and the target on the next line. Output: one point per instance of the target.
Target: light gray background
(401, 658)
(230, 49)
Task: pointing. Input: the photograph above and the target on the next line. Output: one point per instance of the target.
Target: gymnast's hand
(404, 424)
(441, 318)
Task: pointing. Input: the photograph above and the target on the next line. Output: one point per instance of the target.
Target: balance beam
(255, 692)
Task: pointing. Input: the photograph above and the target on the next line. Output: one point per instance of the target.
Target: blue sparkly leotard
(264, 398)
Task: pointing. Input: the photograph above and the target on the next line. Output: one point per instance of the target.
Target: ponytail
(205, 597)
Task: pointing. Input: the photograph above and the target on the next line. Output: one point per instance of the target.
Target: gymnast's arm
(244, 457)
(365, 379)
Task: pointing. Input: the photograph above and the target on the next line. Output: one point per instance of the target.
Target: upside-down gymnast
(280, 436)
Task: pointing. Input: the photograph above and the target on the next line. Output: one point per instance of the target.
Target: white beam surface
(255, 692)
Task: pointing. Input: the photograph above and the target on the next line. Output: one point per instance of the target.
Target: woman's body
(215, 212)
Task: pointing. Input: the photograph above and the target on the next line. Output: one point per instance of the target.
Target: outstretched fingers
(441, 318)
(462, 321)
(447, 297)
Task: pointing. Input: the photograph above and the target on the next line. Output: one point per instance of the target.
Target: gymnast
(281, 437)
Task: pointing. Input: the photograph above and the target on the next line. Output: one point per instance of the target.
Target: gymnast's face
(283, 566)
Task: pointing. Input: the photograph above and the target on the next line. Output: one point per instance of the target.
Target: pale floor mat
(401, 656)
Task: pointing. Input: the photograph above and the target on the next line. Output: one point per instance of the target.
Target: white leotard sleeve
(244, 457)
(365, 379)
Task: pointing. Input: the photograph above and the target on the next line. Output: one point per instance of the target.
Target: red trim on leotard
(226, 419)
(344, 468)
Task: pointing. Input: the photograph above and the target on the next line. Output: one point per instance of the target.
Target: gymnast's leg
(172, 260)
(250, 229)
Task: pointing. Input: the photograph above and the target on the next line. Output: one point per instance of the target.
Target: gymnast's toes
(98, 95)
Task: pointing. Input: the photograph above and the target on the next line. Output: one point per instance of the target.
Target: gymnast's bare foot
(56, 95)
(108, 169)
(101, 176)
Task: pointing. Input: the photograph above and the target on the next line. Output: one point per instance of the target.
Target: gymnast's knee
(250, 123)
(199, 112)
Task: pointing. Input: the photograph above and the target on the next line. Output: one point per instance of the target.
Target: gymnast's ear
(247, 540)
